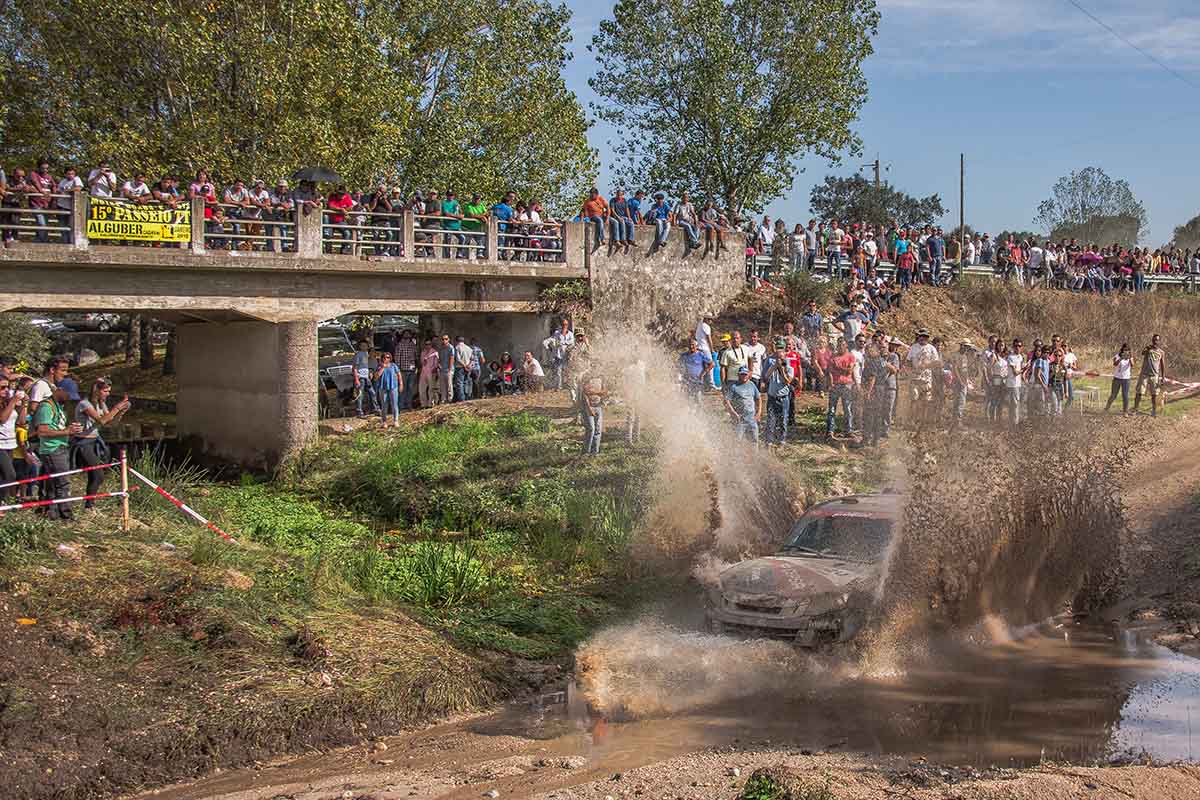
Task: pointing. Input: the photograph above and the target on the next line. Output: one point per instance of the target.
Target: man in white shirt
(926, 364)
(969, 253)
(704, 341)
(532, 373)
(463, 356)
(70, 185)
(1036, 255)
(1012, 384)
(757, 354)
(102, 181)
(833, 249)
(766, 236)
(136, 190)
(562, 341)
(872, 251)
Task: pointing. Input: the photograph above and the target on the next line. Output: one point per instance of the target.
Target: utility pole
(876, 166)
(962, 211)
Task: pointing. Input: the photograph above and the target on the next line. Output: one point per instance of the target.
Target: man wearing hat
(778, 375)
(726, 342)
(925, 363)
(891, 361)
(743, 401)
(964, 372)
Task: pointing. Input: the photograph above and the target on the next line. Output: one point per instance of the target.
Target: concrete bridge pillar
(247, 390)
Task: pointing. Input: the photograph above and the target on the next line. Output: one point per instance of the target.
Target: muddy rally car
(818, 588)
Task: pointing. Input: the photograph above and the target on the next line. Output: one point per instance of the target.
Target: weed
(177, 477)
(764, 785)
(440, 575)
(19, 537)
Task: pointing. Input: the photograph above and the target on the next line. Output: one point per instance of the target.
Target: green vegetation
(765, 785)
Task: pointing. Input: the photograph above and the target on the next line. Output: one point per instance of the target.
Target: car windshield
(332, 341)
(857, 538)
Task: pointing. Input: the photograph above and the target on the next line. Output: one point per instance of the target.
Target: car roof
(882, 505)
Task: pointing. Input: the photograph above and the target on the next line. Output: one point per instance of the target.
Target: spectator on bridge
(635, 207)
(621, 221)
(452, 224)
(595, 210)
(165, 192)
(339, 203)
(282, 210)
(307, 198)
(503, 212)
(203, 189)
(39, 199)
(72, 187)
(102, 181)
(136, 190)
(660, 215)
(475, 217)
(390, 383)
(260, 204)
(18, 186)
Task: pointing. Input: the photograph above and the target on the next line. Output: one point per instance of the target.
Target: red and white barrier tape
(36, 503)
(59, 474)
(182, 506)
(764, 286)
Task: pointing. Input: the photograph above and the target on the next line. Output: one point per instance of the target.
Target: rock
(68, 552)
(734, 772)
(385, 761)
(87, 356)
(379, 746)
(347, 795)
(199, 636)
(167, 547)
(45, 571)
(491, 793)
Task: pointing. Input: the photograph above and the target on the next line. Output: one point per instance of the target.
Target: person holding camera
(54, 448)
(12, 409)
(91, 414)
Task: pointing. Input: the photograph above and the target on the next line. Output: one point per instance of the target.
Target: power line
(1145, 53)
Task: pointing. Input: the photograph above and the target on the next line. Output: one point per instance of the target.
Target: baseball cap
(743, 370)
(922, 332)
(69, 386)
(725, 337)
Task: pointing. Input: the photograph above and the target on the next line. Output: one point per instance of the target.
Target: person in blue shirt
(935, 245)
(390, 382)
(635, 206)
(743, 402)
(694, 366)
(1040, 372)
(504, 211)
(660, 215)
(778, 376)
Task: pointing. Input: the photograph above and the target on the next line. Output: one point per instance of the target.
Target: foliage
(801, 287)
(20, 536)
(571, 298)
(373, 88)
(24, 342)
(1018, 237)
(177, 477)
(1187, 235)
(1092, 207)
(856, 199)
(440, 575)
(763, 786)
(733, 93)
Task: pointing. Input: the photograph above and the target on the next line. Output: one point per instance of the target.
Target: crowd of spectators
(924, 254)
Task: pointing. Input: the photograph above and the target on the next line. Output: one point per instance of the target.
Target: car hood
(786, 578)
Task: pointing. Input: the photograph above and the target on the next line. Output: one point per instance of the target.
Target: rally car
(818, 588)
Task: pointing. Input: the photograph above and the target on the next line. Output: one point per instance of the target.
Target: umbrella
(317, 175)
(1088, 258)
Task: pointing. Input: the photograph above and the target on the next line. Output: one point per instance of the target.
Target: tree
(24, 342)
(1187, 235)
(1090, 206)
(420, 91)
(722, 97)
(856, 199)
(1018, 237)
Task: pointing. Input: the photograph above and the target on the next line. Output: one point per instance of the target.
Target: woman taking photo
(92, 413)
(1122, 374)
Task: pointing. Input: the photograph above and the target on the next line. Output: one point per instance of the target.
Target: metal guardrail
(380, 231)
(28, 223)
(532, 241)
(250, 228)
(433, 239)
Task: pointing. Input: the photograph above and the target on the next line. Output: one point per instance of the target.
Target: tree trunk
(169, 356)
(131, 338)
(145, 347)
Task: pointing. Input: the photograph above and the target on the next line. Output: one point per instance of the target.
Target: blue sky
(1029, 90)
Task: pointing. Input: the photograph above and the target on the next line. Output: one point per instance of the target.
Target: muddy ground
(537, 752)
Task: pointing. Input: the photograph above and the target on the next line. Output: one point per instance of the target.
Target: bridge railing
(250, 229)
(80, 222)
(23, 219)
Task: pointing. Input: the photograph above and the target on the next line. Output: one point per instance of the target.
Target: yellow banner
(113, 219)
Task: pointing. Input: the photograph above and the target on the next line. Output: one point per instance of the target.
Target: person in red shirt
(841, 387)
(595, 209)
(821, 358)
(339, 202)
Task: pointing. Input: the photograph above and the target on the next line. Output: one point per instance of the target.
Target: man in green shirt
(474, 219)
(54, 436)
(452, 226)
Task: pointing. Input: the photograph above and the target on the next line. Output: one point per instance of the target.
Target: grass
(764, 785)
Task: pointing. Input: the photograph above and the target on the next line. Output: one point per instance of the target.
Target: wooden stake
(125, 490)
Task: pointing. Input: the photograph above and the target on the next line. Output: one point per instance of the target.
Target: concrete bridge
(247, 318)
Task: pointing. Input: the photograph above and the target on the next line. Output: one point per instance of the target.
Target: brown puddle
(1061, 693)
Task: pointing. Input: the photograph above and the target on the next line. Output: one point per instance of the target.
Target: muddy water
(1061, 693)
